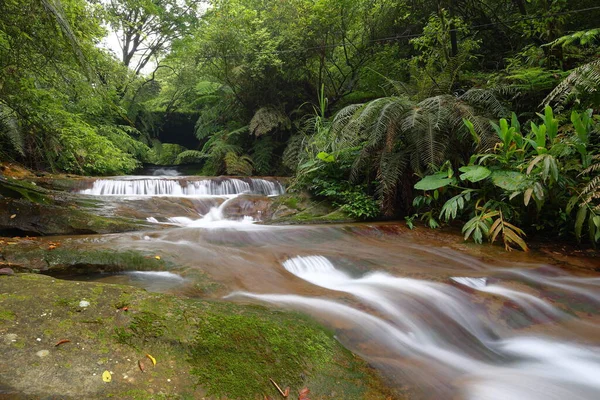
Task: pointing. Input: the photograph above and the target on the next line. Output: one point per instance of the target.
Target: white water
(165, 172)
(155, 274)
(215, 219)
(161, 186)
(438, 326)
(533, 306)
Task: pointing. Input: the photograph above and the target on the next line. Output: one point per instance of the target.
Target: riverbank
(62, 345)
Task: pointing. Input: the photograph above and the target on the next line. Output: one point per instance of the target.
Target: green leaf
(435, 181)
(579, 220)
(474, 173)
(508, 180)
(325, 157)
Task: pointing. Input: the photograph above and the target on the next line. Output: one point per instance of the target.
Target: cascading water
(161, 186)
(203, 192)
(420, 322)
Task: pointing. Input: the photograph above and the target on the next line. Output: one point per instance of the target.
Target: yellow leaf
(157, 257)
(106, 376)
(151, 359)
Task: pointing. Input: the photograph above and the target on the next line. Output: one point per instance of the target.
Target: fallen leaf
(157, 257)
(106, 376)
(51, 247)
(151, 359)
(141, 366)
(13, 216)
(304, 394)
(61, 342)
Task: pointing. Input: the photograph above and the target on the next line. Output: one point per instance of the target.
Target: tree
(145, 28)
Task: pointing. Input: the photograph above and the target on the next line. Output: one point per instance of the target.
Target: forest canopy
(480, 111)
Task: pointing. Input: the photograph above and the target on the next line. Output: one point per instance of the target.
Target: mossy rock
(301, 208)
(203, 349)
(26, 209)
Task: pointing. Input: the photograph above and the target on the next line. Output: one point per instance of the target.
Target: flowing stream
(438, 319)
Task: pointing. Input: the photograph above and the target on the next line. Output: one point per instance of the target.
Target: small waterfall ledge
(183, 186)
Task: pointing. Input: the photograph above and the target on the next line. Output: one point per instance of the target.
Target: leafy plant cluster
(532, 177)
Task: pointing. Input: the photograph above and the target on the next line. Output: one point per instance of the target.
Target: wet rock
(26, 209)
(6, 271)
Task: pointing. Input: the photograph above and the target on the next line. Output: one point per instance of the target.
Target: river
(439, 319)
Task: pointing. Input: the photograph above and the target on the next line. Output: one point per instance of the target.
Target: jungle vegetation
(484, 112)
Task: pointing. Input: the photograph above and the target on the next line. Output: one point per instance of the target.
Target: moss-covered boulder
(301, 208)
(62, 345)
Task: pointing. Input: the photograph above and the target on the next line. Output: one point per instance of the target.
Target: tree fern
(399, 136)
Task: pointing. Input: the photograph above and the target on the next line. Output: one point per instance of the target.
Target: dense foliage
(483, 112)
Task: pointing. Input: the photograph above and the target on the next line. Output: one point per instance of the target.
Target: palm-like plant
(400, 137)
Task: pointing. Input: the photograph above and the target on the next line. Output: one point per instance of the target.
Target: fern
(189, 157)
(294, 153)
(262, 154)
(268, 119)
(10, 130)
(581, 38)
(589, 206)
(238, 165)
(582, 82)
(399, 136)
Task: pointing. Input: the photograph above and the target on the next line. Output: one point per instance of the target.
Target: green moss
(23, 190)
(230, 350)
(235, 354)
(77, 260)
(7, 315)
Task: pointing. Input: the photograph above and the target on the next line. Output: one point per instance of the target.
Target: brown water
(440, 319)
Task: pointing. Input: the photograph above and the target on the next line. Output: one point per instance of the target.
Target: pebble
(42, 353)
(39, 339)
(84, 304)
(6, 271)
(10, 338)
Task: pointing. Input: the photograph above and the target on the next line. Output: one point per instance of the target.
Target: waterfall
(215, 218)
(163, 186)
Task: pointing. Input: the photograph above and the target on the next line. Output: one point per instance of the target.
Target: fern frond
(268, 119)
(189, 156)
(238, 165)
(10, 129)
(262, 154)
(582, 81)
